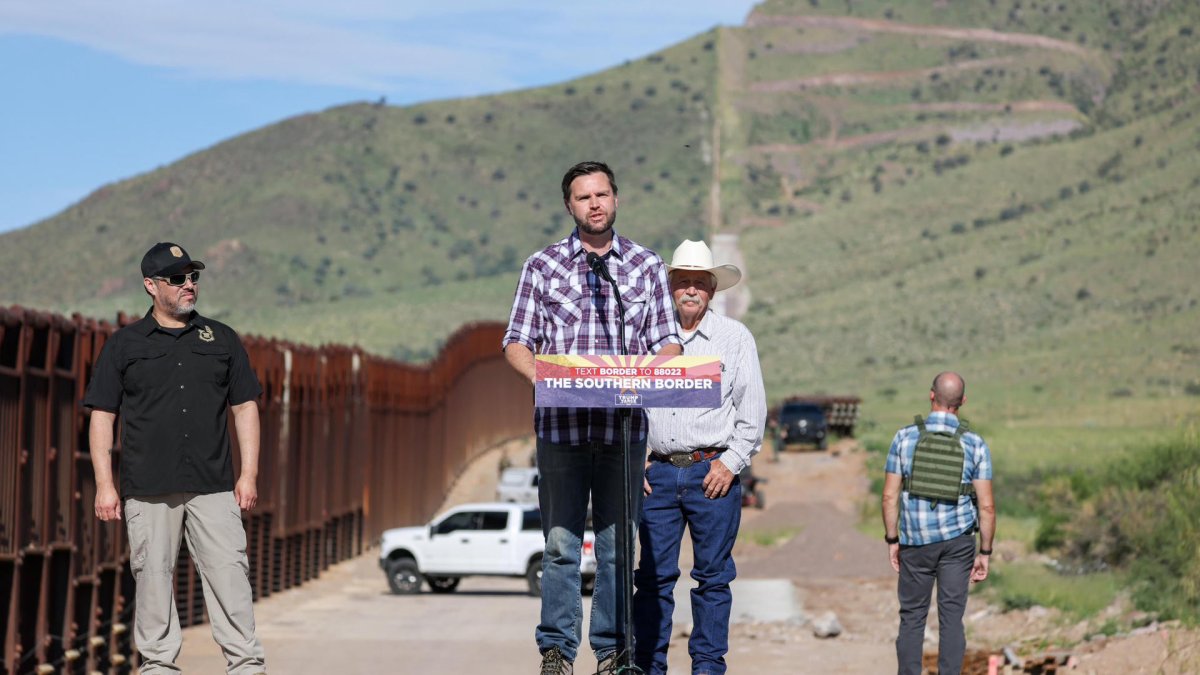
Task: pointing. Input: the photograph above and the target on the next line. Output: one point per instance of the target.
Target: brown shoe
(554, 663)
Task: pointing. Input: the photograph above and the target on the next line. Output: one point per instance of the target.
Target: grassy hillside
(389, 226)
(1017, 201)
(1001, 186)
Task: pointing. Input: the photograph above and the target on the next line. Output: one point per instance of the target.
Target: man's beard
(587, 228)
(181, 307)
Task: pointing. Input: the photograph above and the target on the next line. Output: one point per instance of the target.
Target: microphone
(598, 267)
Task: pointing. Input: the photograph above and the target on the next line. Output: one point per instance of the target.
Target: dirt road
(346, 622)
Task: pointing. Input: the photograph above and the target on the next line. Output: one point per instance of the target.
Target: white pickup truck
(518, 485)
(492, 539)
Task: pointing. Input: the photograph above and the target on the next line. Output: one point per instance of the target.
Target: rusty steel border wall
(352, 444)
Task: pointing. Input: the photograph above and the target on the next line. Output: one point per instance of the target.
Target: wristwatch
(891, 540)
(984, 551)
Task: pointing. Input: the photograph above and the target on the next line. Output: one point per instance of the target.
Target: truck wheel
(404, 578)
(533, 574)
(442, 584)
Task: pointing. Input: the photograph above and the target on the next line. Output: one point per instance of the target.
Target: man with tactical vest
(936, 494)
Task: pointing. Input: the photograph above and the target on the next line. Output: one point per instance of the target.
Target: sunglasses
(181, 279)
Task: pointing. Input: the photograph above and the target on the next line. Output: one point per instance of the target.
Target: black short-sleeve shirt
(171, 393)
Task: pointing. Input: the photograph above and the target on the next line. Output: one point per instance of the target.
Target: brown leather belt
(686, 459)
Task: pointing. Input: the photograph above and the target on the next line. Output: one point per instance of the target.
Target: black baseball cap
(164, 259)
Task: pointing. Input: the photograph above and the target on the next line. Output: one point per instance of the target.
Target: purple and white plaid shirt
(561, 307)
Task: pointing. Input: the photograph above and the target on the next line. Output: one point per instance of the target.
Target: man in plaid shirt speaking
(934, 539)
(562, 307)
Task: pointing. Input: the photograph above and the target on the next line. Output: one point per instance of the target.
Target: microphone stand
(626, 533)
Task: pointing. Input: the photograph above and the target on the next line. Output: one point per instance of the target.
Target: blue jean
(677, 500)
(569, 474)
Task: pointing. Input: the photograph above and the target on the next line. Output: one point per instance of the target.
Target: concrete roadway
(347, 621)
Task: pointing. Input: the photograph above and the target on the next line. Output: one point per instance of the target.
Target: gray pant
(216, 539)
(950, 563)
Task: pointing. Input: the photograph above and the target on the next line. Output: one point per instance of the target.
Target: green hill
(1024, 209)
(383, 225)
(1005, 187)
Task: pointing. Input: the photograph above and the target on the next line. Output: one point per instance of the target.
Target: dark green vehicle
(803, 423)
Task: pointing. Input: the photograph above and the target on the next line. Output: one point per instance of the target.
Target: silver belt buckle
(681, 460)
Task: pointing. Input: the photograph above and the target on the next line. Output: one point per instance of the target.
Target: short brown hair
(586, 169)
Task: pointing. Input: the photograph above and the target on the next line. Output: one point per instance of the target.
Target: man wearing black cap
(171, 377)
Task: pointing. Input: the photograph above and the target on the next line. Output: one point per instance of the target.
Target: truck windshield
(795, 412)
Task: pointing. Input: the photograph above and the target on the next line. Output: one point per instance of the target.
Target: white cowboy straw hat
(695, 255)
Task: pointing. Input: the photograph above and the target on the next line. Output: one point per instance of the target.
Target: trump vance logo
(628, 399)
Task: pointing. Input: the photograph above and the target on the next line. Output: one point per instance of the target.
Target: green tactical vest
(937, 465)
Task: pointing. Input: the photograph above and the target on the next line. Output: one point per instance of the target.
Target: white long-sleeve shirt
(739, 423)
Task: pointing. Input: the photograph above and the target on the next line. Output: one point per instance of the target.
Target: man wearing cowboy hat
(691, 474)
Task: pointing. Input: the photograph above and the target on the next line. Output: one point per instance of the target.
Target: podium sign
(610, 381)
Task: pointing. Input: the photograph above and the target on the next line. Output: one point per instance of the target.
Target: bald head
(948, 391)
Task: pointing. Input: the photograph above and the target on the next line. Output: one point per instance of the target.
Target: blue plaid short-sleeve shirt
(926, 521)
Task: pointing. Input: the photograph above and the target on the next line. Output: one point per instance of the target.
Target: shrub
(1017, 601)
(1138, 514)
(1109, 165)
(1055, 501)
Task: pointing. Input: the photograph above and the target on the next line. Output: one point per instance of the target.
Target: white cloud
(374, 45)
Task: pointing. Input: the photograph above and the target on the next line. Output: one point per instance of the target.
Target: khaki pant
(216, 539)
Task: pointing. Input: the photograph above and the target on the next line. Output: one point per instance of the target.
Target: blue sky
(95, 91)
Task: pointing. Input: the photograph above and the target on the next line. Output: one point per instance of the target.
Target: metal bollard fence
(352, 444)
